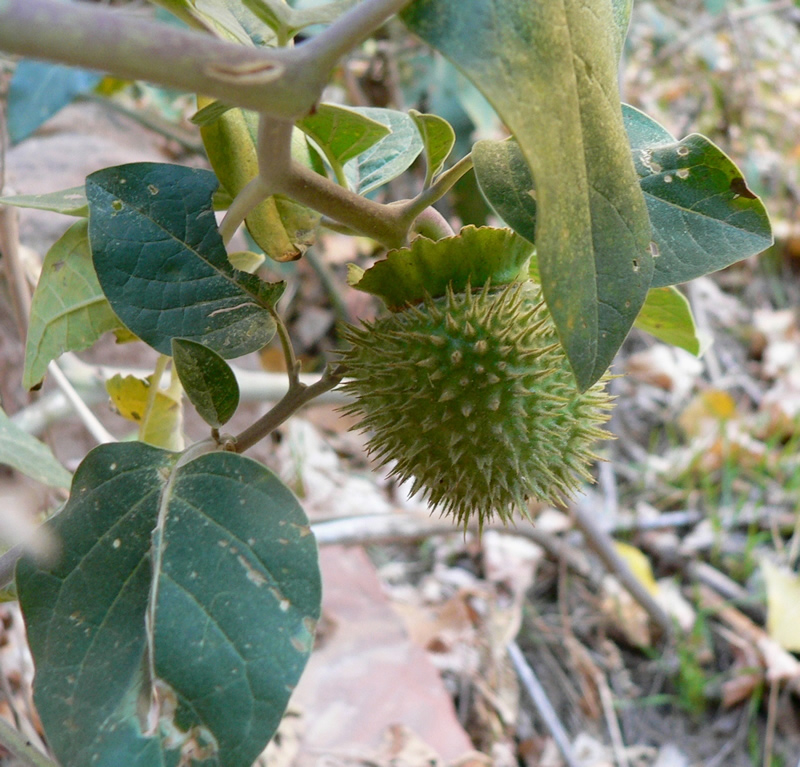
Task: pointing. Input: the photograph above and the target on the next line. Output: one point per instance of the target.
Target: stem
(349, 30)
(88, 418)
(152, 393)
(14, 268)
(600, 542)
(443, 184)
(292, 365)
(541, 702)
(130, 47)
(388, 224)
(295, 398)
(286, 82)
(18, 745)
(253, 194)
(274, 149)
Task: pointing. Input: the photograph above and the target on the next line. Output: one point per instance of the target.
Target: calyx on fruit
(469, 394)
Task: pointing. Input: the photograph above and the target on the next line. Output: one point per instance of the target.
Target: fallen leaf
(639, 565)
(783, 605)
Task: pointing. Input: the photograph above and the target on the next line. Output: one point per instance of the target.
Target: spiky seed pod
(471, 396)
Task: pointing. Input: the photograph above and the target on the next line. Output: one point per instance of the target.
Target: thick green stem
(286, 82)
(383, 223)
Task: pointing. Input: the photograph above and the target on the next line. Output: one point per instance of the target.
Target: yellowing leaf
(246, 260)
(163, 425)
(639, 564)
(783, 605)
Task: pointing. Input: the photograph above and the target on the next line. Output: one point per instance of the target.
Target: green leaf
(390, 156)
(429, 268)
(69, 311)
(666, 314)
(208, 380)
(199, 575)
(228, 19)
(282, 228)
(29, 456)
(70, 202)
(210, 113)
(162, 265)
(438, 138)
(246, 260)
(38, 90)
(341, 133)
(506, 182)
(550, 71)
(703, 215)
(288, 21)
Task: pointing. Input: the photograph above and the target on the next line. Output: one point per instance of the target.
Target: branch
(297, 396)
(285, 82)
(601, 543)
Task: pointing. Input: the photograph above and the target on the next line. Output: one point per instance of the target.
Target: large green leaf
(390, 156)
(29, 456)
(703, 215)
(429, 268)
(342, 133)
(162, 265)
(70, 202)
(282, 228)
(666, 314)
(208, 380)
(69, 311)
(550, 71)
(194, 584)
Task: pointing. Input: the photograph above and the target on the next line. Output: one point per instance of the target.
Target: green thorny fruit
(471, 396)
